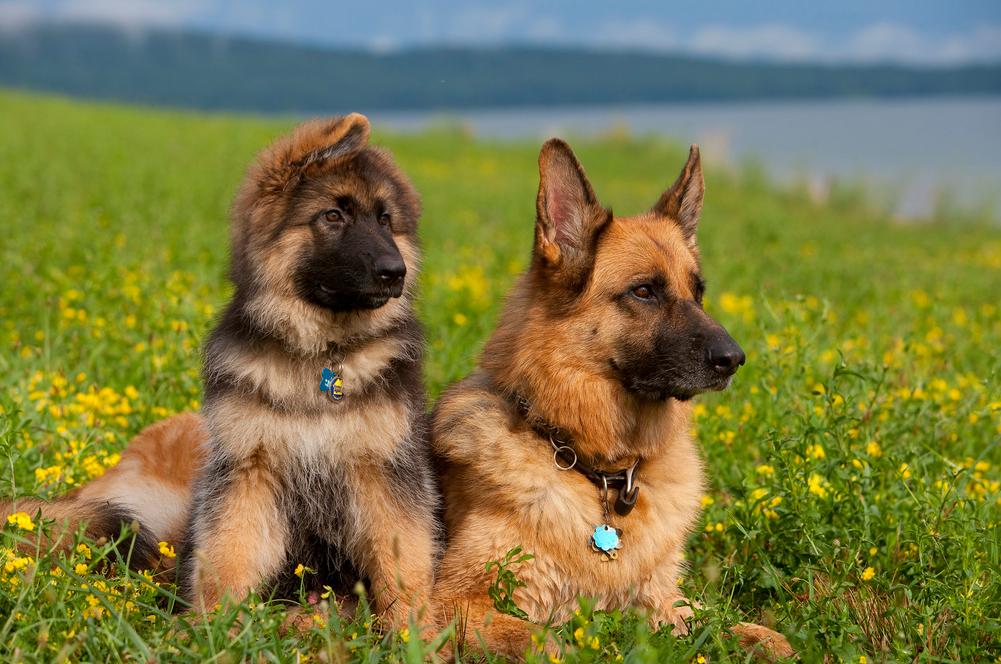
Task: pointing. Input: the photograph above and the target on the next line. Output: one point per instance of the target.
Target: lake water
(910, 153)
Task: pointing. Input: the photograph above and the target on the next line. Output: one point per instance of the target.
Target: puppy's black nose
(390, 271)
(725, 356)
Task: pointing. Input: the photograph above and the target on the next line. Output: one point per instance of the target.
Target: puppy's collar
(563, 445)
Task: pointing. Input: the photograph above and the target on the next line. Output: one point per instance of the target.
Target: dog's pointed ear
(344, 137)
(311, 142)
(569, 216)
(682, 203)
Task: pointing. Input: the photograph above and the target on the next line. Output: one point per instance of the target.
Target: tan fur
(247, 547)
(154, 475)
(502, 488)
(153, 478)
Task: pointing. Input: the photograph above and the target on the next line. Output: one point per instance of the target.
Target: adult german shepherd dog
(314, 445)
(572, 438)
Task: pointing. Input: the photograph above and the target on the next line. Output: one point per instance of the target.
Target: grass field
(854, 464)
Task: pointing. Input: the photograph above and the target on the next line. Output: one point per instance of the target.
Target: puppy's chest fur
(269, 418)
(263, 398)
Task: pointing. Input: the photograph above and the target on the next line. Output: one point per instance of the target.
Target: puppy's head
(324, 236)
(325, 219)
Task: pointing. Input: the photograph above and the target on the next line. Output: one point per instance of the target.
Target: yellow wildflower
(21, 520)
(816, 487)
(868, 573)
(168, 551)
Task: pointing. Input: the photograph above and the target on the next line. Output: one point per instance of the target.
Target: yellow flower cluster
(816, 486)
(765, 506)
(14, 566)
(21, 520)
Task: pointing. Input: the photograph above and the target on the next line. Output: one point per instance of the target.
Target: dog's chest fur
(275, 397)
(503, 479)
(653, 536)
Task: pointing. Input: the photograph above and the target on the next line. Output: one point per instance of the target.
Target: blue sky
(915, 31)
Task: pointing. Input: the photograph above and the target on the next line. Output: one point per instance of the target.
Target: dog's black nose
(725, 356)
(390, 271)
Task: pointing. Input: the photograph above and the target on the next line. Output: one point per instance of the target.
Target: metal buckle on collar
(628, 494)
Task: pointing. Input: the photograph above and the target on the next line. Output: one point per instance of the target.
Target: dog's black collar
(623, 480)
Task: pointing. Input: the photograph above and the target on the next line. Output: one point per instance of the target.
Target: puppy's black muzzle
(390, 272)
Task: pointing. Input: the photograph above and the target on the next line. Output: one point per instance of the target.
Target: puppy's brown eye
(333, 216)
(643, 292)
(384, 219)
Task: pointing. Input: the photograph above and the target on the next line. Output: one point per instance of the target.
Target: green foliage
(853, 467)
(502, 590)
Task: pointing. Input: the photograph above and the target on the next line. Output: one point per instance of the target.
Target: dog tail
(147, 492)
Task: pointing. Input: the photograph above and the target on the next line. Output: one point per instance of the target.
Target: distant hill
(226, 73)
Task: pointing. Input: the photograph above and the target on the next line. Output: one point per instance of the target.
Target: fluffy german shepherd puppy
(572, 438)
(314, 446)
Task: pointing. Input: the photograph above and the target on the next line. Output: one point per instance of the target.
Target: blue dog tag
(605, 538)
(327, 380)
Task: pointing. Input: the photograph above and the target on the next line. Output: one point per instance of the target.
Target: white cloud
(880, 42)
(131, 14)
(887, 42)
(983, 44)
(775, 42)
(638, 34)
(477, 25)
(884, 41)
(514, 21)
(382, 45)
(17, 15)
(544, 29)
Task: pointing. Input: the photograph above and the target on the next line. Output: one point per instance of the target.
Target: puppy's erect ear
(314, 141)
(682, 203)
(331, 139)
(346, 137)
(569, 215)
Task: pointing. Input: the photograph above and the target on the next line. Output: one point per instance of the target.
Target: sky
(933, 32)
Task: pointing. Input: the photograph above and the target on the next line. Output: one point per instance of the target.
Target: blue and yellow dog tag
(332, 385)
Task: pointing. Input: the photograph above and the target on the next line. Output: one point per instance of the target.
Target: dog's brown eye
(333, 216)
(643, 292)
(384, 219)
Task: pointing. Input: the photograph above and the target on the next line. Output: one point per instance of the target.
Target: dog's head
(620, 298)
(323, 223)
